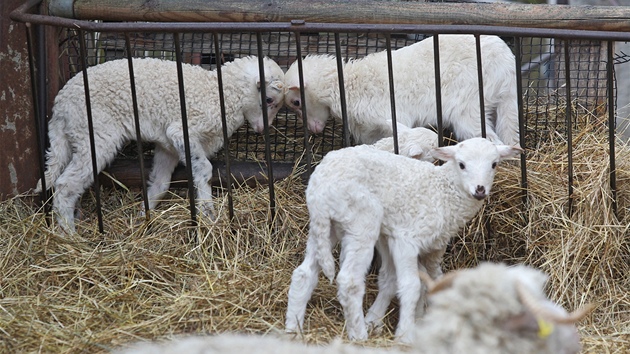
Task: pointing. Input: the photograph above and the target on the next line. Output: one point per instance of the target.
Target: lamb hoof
(207, 210)
(375, 326)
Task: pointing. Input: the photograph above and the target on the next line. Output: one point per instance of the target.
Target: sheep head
(316, 84)
(274, 89)
(507, 303)
(475, 160)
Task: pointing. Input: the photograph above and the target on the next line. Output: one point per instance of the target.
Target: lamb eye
(462, 166)
(494, 165)
(296, 103)
(269, 100)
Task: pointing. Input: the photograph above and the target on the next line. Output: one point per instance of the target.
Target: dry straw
(147, 280)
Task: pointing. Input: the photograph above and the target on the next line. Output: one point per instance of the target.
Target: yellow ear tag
(544, 328)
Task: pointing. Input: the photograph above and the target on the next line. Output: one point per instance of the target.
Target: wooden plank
(249, 173)
(611, 18)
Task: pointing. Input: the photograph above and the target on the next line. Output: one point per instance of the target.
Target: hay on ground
(146, 280)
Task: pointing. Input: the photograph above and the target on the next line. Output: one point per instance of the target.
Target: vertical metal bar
(521, 119)
(182, 102)
(136, 118)
(611, 125)
(482, 102)
(567, 68)
(342, 92)
(307, 144)
(392, 94)
(88, 106)
(226, 145)
(39, 114)
(263, 97)
(438, 89)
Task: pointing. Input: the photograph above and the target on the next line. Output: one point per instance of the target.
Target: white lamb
(368, 97)
(490, 309)
(496, 309)
(360, 193)
(68, 160)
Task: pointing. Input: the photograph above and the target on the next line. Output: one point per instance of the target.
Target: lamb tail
(320, 232)
(58, 154)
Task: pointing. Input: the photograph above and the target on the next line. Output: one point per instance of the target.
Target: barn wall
(18, 147)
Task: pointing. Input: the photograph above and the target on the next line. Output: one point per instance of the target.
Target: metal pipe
(182, 102)
(521, 119)
(611, 125)
(307, 144)
(263, 97)
(88, 106)
(438, 89)
(342, 92)
(226, 143)
(392, 94)
(40, 121)
(567, 68)
(136, 119)
(482, 102)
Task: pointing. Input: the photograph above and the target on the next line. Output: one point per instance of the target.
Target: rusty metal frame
(25, 14)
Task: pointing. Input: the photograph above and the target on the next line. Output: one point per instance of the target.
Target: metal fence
(544, 59)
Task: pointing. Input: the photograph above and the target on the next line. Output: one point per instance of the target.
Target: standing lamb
(68, 161)
(408, 208)
(490, 309)
(368, 99)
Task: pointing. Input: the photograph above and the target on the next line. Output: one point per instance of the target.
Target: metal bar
(392, 94)
(521, 119)
(567, 68)
(342, 92)
(263, 97)
(482, 102)
(40, 117)
(136, 119)
(88, 106)
(182, 102)
(307, 144)
(438, 89)
(226, 144)
(611, 125)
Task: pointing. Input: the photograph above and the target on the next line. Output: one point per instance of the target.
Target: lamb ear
(418, 152)
(506, 151)
(444, 153)
(434, 286)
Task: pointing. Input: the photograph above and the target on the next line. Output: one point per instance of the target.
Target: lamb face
(275, 97)
(476, 160)
(317, 109)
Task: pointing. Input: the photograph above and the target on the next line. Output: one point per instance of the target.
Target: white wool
(407, 208)
(416, 143)
(479, 312)
(68, 160)
(368, 97)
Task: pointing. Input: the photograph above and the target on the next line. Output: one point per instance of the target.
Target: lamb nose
(480, 193)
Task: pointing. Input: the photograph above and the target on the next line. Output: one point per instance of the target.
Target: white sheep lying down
(364, 197)
(368, 98)
(68, 160)
(490, 309)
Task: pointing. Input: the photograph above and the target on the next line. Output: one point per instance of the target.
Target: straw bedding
(148, 280)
